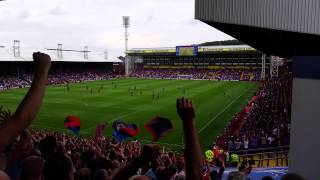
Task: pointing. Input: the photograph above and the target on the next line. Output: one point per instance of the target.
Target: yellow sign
(234, 158)
(201, 49)
(151, 51)
(225, 49)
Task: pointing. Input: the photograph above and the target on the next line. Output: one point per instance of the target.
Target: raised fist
(42, 62)
(185, 110)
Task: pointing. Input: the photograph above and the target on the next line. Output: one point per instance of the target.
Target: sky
(98, 24)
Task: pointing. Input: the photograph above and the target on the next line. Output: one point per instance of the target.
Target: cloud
(24, 14)
(98, 24)
(151, 18)
(57, 11)
(194, 22)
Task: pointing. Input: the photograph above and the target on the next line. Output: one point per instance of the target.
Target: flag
(130, 130)
(99, 130)
(73, 123)
(158, 126)
(123, 131)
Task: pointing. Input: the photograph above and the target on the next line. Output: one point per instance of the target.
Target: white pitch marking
(215, 117)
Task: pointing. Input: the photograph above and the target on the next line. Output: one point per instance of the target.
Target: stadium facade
(286, 28)
(233, 56)
(276, 27)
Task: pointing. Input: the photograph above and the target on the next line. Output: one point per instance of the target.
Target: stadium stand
(226, 74)
(24, 79)
(265, 122)
(72, 66)
(228, 61)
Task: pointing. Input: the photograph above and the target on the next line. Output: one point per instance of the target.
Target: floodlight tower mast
(126, 24)
(59, 51)
(16, 48)
(106, 54)
(16, 53)
(85, 52)
(274, 66)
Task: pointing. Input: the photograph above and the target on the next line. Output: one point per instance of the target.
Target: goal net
(182, 76)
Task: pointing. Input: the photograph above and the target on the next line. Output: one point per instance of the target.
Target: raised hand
(42, 62)
(30, 105)
(185, 110)
(192, 146)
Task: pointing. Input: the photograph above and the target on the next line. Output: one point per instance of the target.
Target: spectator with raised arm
(30, 105)
(13, 125)
(186, 112)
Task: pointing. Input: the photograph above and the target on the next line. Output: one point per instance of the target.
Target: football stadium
(235, 109)
(219, 88)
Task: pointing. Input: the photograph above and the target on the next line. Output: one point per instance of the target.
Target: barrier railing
(253, 151)
(265, 157)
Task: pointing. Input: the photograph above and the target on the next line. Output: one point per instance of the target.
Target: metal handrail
(265, 153)
(260, 149)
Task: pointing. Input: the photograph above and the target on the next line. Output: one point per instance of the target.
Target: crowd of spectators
(76, 77)
(220, 74)
(94, 157)
(265, 122)
(8, 82)
(25, 79)
(36, 155)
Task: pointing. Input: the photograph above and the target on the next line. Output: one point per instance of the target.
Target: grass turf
(215, 103)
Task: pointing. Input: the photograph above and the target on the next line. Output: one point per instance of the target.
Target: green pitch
(215, 102)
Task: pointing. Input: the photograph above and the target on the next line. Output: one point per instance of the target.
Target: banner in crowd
(158, 126)
(73, 123)
(123, 131)
(248, 108)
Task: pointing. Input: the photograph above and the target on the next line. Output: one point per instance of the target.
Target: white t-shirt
(270, 139)
(246, 144)
(274, 131)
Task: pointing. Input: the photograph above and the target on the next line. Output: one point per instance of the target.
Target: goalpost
(181, 76)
